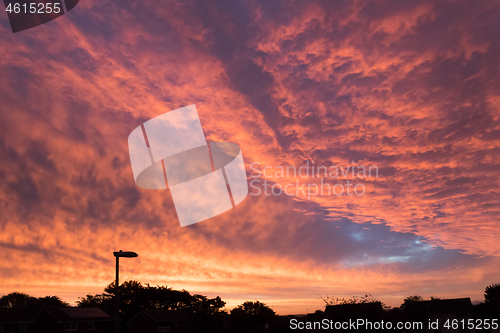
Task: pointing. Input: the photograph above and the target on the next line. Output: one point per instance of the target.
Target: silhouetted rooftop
(439, 306)
(70, 314)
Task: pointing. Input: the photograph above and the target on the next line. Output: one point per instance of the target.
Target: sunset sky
(411, 87)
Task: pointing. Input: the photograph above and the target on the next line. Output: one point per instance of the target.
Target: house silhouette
(74, 320)
(440, 310)
(160, 321)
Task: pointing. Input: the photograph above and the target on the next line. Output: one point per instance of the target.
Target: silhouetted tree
(492, 295)
(332, 300)
(17, 300)
(100, 300)
(21, 300)
(411, 299)
(256, 308)
(135, 297)
(205, 305)
(251, 317)
(51, 301)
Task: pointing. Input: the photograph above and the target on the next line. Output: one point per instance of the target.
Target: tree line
(135, 297)
(491, 299)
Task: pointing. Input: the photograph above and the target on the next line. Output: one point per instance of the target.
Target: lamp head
(126, 254)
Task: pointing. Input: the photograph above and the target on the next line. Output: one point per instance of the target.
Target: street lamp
(119, 254)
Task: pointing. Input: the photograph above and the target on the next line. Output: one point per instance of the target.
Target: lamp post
(117, 290)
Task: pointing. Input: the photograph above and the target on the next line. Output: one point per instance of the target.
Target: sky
(409, 88)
